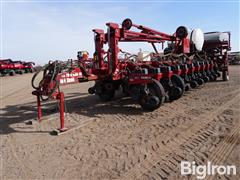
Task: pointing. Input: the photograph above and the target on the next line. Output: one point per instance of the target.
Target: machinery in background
(234, 58)
(9, 67)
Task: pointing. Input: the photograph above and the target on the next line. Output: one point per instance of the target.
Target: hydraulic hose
(46, 71)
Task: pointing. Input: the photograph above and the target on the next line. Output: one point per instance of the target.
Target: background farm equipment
(234, 58)
(189, 61)
(28, 67)
(216, 47)
(7, 66)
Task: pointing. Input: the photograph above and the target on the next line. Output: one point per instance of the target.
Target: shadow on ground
(79, 103)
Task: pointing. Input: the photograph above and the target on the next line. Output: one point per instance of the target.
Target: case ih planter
(188, 62)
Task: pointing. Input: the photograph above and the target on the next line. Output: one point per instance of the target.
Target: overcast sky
(43, 31)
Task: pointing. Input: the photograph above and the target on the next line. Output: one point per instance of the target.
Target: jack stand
(39, 108)
(59, 96)
(62, 129)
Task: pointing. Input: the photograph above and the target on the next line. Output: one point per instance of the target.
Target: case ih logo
(70, 77)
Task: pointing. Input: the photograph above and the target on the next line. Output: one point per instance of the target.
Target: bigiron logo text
(201, 171)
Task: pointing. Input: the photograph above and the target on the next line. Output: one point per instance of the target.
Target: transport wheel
(211, 77)
(214, 77)
(225, 76)
(107, 91)
(91, 90)
(155, 97)
(12, 73)
(193, 84)
(179, 87)
(107, 95)
(179, 82)
(3, 74)
(206, 79)
(21, 72)
(200, 81)
(187, 87)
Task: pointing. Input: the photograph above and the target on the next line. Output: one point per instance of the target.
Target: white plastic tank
(196, 37)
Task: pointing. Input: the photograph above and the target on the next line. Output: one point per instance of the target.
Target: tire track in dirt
(25, 169)
(182, 113)
(174, 145)
(198, 148)
(225, 148)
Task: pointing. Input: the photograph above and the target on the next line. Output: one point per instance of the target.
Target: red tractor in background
(7, 66)
(187, 62)
(28, 67)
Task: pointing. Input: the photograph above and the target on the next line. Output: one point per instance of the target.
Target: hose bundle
(50, 72)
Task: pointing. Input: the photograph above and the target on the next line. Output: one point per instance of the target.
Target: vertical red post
(114, 36)
(61, 105)
(39, 108)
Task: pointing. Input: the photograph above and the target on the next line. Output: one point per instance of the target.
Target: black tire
(211, 77)
(159, 91)
(20, 72)
(106, 94)
(187, 87)
(179, 82)
(2, 74)
(151, 103)
(200, 81)
(193, 84)
(155, 98)
(12, 73)
(225, 76)
(206, 79)
(91, 90)
(178, 87)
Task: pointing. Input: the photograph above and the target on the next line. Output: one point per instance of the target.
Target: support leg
(39, 108)
(61, 105)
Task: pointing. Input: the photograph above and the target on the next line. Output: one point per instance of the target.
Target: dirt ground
(117, 140)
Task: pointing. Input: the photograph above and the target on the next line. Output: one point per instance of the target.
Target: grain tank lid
(216, 37)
